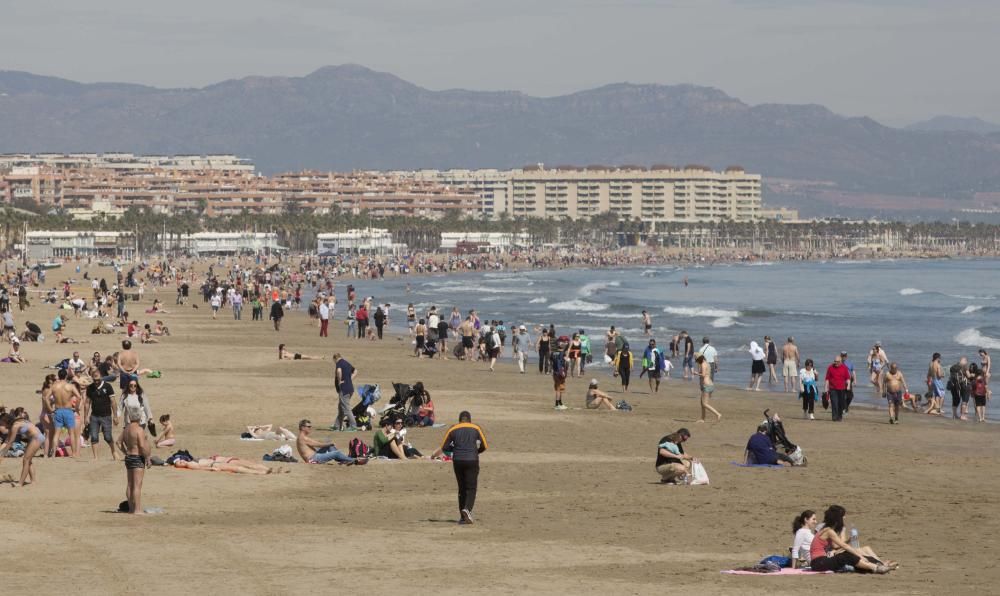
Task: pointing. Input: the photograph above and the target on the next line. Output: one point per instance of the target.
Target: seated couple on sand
(390, 441)
(828, 548)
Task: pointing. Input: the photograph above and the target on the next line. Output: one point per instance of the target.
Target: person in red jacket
(837, 383)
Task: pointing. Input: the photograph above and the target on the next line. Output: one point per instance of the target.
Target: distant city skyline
(898, 61)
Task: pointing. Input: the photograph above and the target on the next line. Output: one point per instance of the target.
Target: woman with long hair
(830, 550)
(623, 365)
(21, 429)
(803, 530)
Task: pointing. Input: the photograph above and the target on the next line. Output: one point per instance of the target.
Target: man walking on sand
(790, 365)
(343, 382)
(465, 441)
(837, 383)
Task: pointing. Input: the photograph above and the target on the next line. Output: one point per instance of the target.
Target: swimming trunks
(789, 368)
(134, 462)
(708, 389)
(64, 418)
(894, 397)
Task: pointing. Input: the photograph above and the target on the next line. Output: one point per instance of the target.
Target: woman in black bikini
(284, 355)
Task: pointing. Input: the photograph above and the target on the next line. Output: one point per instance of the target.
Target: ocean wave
(910, 291)
(723, 322)
(972, 337)
(971, 309)
(610, 315)
(968, 297)
(698, 311)
(592, 288)
(578, 305)
(649, 273)
(539, 300)
(760, 264)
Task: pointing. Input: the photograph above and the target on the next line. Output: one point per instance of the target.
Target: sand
(569, 502)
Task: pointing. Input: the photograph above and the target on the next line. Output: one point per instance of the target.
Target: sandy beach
(568, 502)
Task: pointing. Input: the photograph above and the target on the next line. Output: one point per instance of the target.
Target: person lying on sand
(219, 463)
(284, 354)
(265, 432)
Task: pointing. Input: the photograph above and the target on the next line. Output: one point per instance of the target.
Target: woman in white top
(808, 389)
(757, 369)
(804, 527)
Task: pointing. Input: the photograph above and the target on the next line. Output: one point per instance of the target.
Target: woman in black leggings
(830, 552)
(542, 348)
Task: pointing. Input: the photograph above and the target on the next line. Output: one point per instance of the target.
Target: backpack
(558, 365)
(979, 389)
(358, 448)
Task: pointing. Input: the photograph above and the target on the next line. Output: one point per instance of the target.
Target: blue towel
(742, 465)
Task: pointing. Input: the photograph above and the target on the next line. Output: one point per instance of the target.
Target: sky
(897, 61)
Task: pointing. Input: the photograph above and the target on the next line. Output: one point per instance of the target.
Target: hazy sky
(895, 60)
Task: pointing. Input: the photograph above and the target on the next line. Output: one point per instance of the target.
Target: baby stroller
(776, 432)
(430, 348)
(364, 412)
(397, 405)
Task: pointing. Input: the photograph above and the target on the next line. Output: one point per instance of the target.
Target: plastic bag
(698, 473)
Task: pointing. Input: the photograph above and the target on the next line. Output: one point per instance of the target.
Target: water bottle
(855, 543)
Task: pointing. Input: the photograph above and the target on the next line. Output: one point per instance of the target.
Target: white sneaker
(466, 516)
(561, 407)
(811, 417)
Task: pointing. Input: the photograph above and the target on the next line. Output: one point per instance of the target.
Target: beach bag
(698, 473)
(624, 406)
(826, 400)
(358, 448)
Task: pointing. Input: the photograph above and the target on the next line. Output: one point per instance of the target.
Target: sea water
(914, 307)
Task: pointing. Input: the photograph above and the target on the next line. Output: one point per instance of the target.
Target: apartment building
(658, 194)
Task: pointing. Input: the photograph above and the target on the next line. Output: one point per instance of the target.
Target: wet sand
(569, 502)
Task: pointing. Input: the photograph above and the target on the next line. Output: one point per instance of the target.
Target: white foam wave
(697, 311)
(480, 289)
(610, 315)
(972, 337)
(971, 309)
(578, 305)
(592, 288)
(723, 322)
(968, 297)
(649, 273)
(539, 300)
(910, 291)
(760, 264)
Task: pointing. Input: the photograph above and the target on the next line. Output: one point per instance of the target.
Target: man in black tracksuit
(465, 441)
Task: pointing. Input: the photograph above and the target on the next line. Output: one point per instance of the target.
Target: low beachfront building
(45, 245)
(489, 241)
(368, 241)
(221, 243)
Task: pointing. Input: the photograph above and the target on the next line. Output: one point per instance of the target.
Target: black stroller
(430, 348)
(776, 432)
(396, 410)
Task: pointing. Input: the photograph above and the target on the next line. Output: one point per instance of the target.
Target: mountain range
(955, 123)
(345, 117)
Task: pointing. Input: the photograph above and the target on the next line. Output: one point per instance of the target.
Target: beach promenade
(569, 502)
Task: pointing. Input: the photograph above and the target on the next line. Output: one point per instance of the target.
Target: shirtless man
(893, 386)
(647, 324)
(128, 364)
(64, 393)
(135, 446)
(468, 331)
(315, 452)
(790, 365)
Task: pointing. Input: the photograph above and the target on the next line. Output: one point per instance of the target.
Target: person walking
(343, 382)
(465, 441)
(277, 313)
(711, 356)
(324, 318)
(837, 383)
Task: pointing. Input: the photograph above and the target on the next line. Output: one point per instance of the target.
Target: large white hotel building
(657, 194)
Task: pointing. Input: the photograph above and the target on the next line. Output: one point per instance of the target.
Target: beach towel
(744, 465)
(782, 571)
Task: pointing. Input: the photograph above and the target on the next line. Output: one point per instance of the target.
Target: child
(167, 437)
(980, 395)
(667, 367)
(135, 446)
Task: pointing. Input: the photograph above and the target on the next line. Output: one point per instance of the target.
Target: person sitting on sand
(283, 354)
(597, 399)
(160, 329)
(264, 432)
(672, 463)
(315, 452)
(14, 356)
(421, 407)
(166, 438)
(804, 530)
(390, 441)
(219, 463)
(761, 452)
(830, 551)
(146, 335)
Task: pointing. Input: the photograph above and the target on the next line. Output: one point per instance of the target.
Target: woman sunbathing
(218, 463)
(265, 432)
(283, 354)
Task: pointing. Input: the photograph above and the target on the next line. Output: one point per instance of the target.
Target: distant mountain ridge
(956, 124)
(344, 117)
